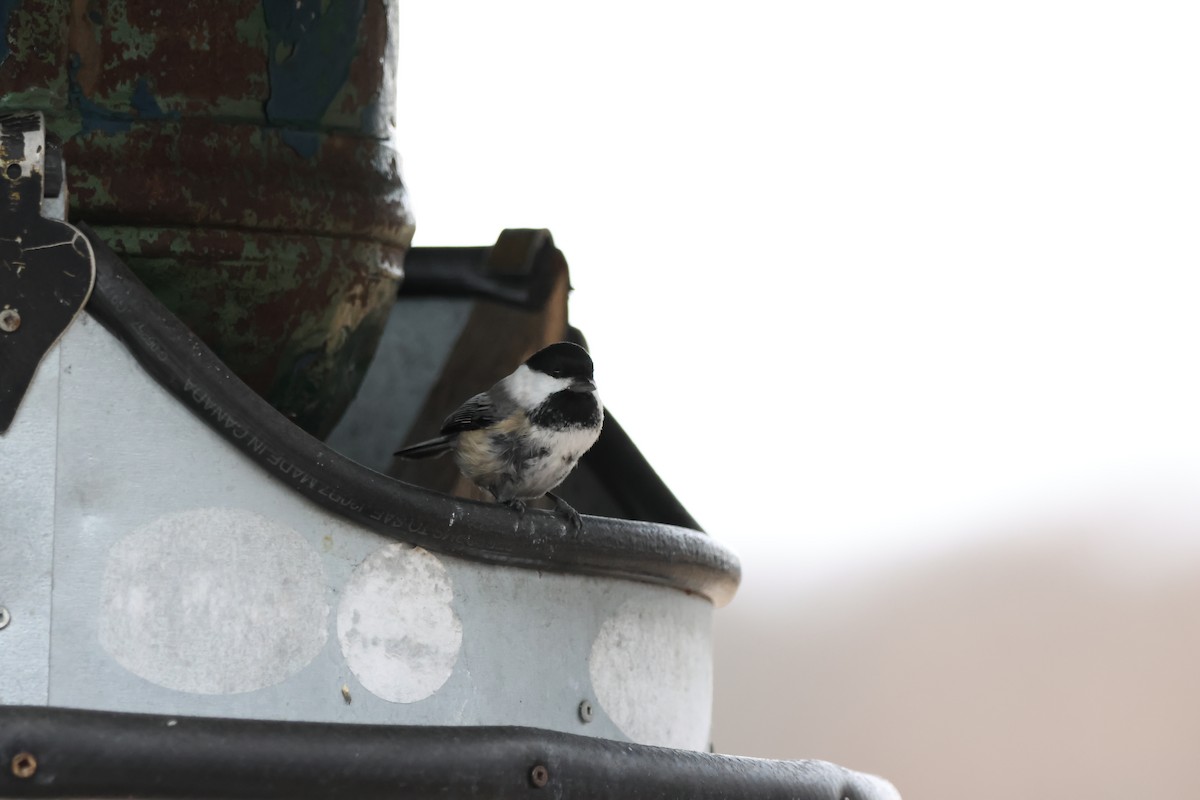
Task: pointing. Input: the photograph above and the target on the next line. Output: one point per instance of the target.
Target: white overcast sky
(859, 277)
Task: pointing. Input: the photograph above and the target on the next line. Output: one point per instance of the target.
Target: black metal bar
(68, 753)
(519, 270)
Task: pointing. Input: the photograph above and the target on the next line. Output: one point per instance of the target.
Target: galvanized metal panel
(27, 482)
(416, 341)
(256, 569)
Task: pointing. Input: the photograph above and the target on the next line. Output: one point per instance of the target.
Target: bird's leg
(563, 507)
(517, 506)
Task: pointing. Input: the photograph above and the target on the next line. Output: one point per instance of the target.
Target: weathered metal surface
(294, 63)
(298, 63)
(46, 268)
(271, 121)
(245, 177)
(296, 317)
(32, 55)
(187, 581)
(27, 479)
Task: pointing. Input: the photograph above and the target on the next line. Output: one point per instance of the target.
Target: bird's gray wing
(478, 412)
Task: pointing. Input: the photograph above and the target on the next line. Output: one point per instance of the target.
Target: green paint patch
(139, 43)
(253, 29)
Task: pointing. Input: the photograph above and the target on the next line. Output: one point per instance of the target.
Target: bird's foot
(519, 507)
(563, 507)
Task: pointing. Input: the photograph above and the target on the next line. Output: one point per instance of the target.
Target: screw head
(585, 711)
(24, 765)
(539, 776)
(5, 618)
(10, 320)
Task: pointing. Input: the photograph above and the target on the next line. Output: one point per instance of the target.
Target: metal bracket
(519, 270)
(46, 265)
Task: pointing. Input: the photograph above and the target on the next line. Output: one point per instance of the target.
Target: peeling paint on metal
(145, 105)
(305, 143)
(311, 45)
(6, 9)
(262, 120)
(213, 601)
(397, 626)
(93, 116)
(298, 318)
(651, 667)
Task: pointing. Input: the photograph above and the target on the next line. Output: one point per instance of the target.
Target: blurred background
(900, 300)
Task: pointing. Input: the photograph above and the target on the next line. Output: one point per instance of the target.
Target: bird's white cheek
(529, 387)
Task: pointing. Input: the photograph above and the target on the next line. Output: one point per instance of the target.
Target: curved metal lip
(648, 552)
(58, 752)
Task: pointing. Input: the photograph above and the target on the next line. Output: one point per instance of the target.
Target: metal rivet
(539, 776)
(13, 171)
(10, 320)
(5, 618)
(585, 711)
(24, 765)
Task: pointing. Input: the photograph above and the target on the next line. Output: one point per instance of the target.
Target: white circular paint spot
(396, 625)
(651, 669)
(213, 601)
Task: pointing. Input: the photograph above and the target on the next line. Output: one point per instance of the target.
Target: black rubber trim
(99, 754)
(520, 269)
(181, 363)
(462, 272)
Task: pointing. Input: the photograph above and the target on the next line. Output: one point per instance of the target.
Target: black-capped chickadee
(522, 437)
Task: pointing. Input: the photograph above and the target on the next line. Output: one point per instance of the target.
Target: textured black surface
(519, 270)
(173, 356)
(96, 754)
(45, 268)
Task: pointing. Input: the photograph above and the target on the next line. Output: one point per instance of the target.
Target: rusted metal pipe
(240, 157)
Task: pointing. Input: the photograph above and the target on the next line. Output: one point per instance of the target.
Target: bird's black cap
(562, 360)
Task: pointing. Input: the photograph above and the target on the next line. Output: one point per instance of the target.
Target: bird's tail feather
(428, 449)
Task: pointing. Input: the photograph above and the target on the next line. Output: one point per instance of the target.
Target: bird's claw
(563, 507)
(519, 507)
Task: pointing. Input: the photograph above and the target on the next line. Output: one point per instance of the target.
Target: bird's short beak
(582, 385)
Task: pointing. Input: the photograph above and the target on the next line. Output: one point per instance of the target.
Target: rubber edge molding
(54, 752)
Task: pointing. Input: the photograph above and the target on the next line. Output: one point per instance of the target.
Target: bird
(522, 437)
